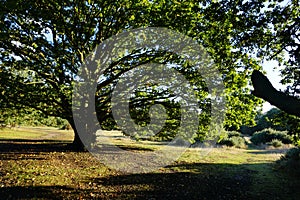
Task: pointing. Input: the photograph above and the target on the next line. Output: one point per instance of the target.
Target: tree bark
(265, 90)
(77, 144)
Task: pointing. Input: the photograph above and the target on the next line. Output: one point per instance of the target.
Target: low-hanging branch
(265, 90)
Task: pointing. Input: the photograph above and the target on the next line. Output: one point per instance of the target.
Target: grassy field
(36, 163)
(36, 133)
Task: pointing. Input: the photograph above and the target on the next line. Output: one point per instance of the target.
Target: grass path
(48, 170)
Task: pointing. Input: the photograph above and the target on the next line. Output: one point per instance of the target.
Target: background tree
(281, 42)
(276, 38)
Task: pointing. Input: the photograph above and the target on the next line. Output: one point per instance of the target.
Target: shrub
(267, 135)
(276, 143)
(238, 141)
(233, 139)
(293, 154)
(226, 141)
(290, 162)
(66, 126)
(233, 133)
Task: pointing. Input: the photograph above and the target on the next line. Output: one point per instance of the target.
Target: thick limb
(264, 89)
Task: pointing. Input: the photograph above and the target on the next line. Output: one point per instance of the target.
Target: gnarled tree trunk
(265, 90)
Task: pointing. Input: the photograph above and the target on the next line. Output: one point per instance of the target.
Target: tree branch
(265, 90)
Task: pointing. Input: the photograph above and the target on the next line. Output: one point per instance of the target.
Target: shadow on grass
(182, 181)
(270, 151)
(186, 181)
(134, 148)
(38, 192)
(177, 181)
(33, 146)
(204, 181)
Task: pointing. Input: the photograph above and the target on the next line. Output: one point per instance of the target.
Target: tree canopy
(44, 43)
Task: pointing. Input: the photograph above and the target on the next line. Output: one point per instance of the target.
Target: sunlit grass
(14, 133)
(36, 133)
(212, 170)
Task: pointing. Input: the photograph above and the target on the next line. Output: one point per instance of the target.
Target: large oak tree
(44, 43)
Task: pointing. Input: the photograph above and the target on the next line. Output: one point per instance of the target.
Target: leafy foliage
(29, 117)
(288, 122)
(276, 37)
(277, 120)
(266, 120)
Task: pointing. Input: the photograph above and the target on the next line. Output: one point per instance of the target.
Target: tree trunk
(265, 90)
(77, 144)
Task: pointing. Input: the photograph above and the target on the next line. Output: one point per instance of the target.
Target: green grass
(32, 170)
(36, 133)
(20, 134)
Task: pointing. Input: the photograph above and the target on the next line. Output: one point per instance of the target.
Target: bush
(233, 139)
(233, 133)
(66, 126)
(276, 143)
(238, 142)
(292, 154)
(267, 135)
(290, 162)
